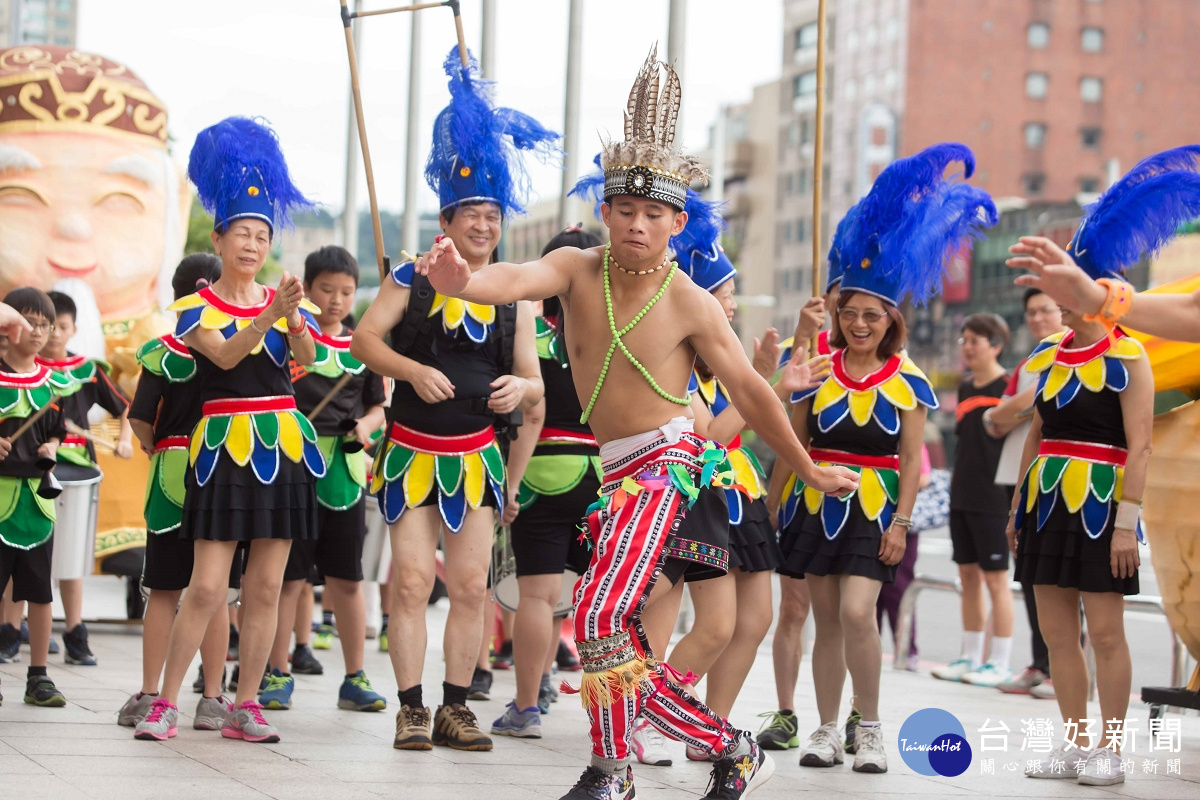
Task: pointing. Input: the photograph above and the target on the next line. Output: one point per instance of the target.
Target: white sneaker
(696, 754)
(1103, 768)
(869, 755)
(989, 675)
(954, 670)
(1063, 761)
(824, 748)
(650, 746)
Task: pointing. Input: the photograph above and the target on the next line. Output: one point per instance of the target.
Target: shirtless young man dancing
(632, 382)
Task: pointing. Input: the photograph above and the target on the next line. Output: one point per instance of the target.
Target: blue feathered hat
(1139, 213)
(474, 155)
(239, 171)
(838, 244)
(908, 226)
(698, 249)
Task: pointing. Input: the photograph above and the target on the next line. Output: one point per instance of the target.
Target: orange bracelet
(1116, 305)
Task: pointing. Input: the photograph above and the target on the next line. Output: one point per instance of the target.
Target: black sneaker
(565, 658)
(25, 639)
(231, 654)
(40, 691)
(851, 730)
(76, 643)
(779, 731)
(503, 659)
(736, 776)
(596, 784)
(10, 644)
(304, 662)
(198, 684)
(547, 694)
(481, 685)
(233, 678)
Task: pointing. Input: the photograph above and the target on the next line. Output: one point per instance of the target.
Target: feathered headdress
(911, 223)
(1139, 213)
(697, 248)
(838, 244)
(474, 155)
(646, 163)
(239, 171)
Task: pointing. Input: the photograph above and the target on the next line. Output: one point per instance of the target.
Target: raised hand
(1056, 274)
(12, 324)
(447, 271)
(766, 353)
(812, 317)
(800, 375)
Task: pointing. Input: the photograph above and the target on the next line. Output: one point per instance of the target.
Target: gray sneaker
(210, 713)
(135, 709)
(246, 722)
(159, 724)
(526, 724)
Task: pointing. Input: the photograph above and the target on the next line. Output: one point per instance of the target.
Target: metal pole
(676, 46)
(350, 200)
(571, 113)
(818, 171)
(411, 226)
(487, 47)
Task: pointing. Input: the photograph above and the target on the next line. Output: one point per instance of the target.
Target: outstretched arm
(497, 284)
(1171, 316)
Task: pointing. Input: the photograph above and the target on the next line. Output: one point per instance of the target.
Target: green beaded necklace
(617, 342)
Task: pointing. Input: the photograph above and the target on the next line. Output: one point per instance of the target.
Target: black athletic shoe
(481, 685)
(237, 672)
(566, 660)
(10, 644)
(596, 784)
(231, 654)
(198, 684)
(76, 643)
(735, 777)
(40, 691)
(304, 662)
(503, 659)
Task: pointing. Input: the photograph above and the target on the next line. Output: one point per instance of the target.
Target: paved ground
(80, 752)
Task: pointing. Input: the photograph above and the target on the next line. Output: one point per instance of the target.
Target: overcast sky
(286, 60)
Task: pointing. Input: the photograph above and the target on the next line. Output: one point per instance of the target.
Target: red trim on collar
(25, 380)
(232, 309)
(823, 346)
(70, 362)
(175, 345)
(1079, 356)
(889, 370)
(333, 342)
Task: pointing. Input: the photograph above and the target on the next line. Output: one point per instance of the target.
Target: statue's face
(93, 207)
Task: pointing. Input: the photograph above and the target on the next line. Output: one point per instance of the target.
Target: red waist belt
(230, 406)
(74, 440)
(1085, 451)
(854, 459)
(561, 436)
(459, 445)
(172, 443)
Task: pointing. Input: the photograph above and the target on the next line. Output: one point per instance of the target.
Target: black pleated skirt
(854, 551)
(1062, 554)
(753, 545)
(234, 506)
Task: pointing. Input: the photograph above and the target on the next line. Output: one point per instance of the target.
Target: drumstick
(328, 398)
(34, 417)
(100, 440)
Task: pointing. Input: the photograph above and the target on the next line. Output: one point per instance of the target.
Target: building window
(801, 230)
(1091, 90)
(1089, 185)
(61, 22)
(1038, 35)
(1090, 138)
(806, 131)
(1035, 135)
(889, 80)
(64, 5)
(1092, 40)
(787, 232)
(868, 86)
(891, 29)
(802, 181)
(806, 37)
(1034, 183)
(1036, 84)
(805, 84)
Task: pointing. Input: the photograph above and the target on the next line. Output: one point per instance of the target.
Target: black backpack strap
(506, 320)
(416, 320)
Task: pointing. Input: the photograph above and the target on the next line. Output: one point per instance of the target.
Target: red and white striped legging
(627, 556)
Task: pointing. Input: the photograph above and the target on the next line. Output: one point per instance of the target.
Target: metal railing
(920, 583)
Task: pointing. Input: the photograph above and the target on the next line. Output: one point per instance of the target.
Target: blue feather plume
(1139, 213)
(705, 224)
(469, 134)
(591, 187)
(840, 237)
(223, 157)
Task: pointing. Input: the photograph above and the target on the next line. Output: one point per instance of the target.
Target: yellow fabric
(197, 441)
(745, 476)
(871, 494)
(1059, 375)
(418, 480)
(829, 393)
(813, 499)
(1075, 482)
(861, 406)
(240, 441)
(473, 479)
(1091, 374)
(897, 391)
(213, 319)
(1031, 489)
(291, 440)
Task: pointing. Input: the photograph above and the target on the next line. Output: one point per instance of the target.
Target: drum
(377, 546)
(504, 577)
(75, 511)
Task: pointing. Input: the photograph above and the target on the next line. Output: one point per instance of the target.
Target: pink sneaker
(159, 724)
(246, 722)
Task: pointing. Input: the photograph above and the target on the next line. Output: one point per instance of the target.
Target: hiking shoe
(869, 755)
(1022, 683)
(503, 659)
(383, 643)
(850, 729)
(246, 722)
(135, 709)
(824, 747)
(304, 662)
(357, 694)
(1102, 768)
(323, 637)
(565, 658)
(521, 723)
(198, 684)
(779, 731)
(412, 729)
(954, 670)
(1044, 690)
(211, 713)
(989, 676)
(278, 694)
(25, 639)
(456, 727)
(41, 691)
(231, 654)
(1064, 761)
(481, 685)
(159, 724)
(75, 641)
(10, 644)
(596, 784)
(734, 777)
(547, 694)
(649, 745)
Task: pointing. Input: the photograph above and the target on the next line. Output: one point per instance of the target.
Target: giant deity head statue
(88, 190)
